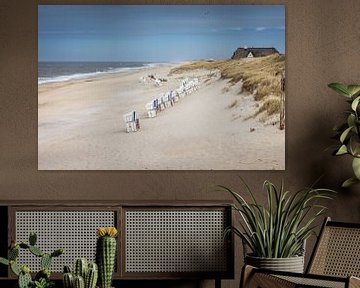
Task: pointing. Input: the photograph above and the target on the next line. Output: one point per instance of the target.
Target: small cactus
(45, 261)
(32, 238)
(14, 268)
(79, 282)
(68, 280)
(13, 253)
(36, 251)
(106, 254)
(91, 276)
(81, 267)
(24, 278)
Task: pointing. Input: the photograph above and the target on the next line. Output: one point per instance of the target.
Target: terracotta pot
(291, 264)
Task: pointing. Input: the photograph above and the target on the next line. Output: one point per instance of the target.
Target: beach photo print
(161, 87)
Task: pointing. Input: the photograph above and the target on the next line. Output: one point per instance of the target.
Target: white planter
(291, 264)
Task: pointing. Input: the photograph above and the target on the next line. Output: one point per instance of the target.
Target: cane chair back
(335, 262)
(337, 252)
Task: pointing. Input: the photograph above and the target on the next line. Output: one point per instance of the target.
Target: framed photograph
(161, 87)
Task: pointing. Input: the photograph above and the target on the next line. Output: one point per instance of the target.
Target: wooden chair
(335, 262)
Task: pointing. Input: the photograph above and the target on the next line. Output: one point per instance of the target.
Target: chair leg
(246, 274)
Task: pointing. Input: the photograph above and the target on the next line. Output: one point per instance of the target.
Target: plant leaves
(349, 182)
(342, 150)
(356, 167)
(353, 89)
(351, 120)
(340, 88)
(355, 103)
(354, 146)
(345, 134)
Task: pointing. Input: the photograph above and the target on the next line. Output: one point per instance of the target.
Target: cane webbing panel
(313, 282)
(175, 241)
(74, 231)
(338, 252)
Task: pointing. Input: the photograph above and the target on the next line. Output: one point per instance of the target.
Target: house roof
(256, 52)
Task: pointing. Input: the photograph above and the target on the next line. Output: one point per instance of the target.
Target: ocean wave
(89, 75)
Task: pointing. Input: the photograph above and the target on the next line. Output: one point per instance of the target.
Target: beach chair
(174, 96)
(151, 110)
(334, 263)
(161, 103)
(166, 99)
(132, 121)
(180, 91)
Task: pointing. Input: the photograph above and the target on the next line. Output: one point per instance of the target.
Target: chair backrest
(337, 251)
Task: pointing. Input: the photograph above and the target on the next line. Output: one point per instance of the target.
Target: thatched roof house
(253, 52)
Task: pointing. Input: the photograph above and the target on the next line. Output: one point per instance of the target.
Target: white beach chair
(151, 109)
(161, 103)
(166, 98)
(174, 96)
(131, 121)
(181, 91)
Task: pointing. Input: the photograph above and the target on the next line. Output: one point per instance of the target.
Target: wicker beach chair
(131, 121)
(334, 263)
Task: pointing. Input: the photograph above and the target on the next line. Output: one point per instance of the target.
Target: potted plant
(42, 278)
(276, 233)
(348, 132)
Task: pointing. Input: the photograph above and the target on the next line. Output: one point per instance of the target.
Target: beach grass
(259, 76)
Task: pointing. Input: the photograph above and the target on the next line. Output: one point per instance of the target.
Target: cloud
(261, 28)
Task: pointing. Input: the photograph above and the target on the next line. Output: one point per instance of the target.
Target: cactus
(105, 254)
(13, 253)
(43, 273)
(80, 267)
(36, 251)
(24, 280)
(45, 261)
(42, 278)
(91, 276)
(90, 272)
(79, 282)
(68, 280)
(32, 238)
(4, 261)
(14, 268)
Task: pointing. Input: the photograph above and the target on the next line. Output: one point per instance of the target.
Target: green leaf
(356, 167)
(349, 182)
(351, 120)
(355, 103)
(354, 145)
(345, 134)
(340, 88)
(353, 89)
(342, 150)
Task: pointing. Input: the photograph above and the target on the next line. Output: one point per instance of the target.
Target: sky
(156, 33)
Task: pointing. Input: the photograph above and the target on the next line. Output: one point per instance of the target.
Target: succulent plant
(106, 254)
(42, 278)
(85, 275)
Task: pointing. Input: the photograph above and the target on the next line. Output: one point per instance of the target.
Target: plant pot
(291, 264)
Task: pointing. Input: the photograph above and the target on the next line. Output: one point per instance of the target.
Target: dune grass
(259, 76)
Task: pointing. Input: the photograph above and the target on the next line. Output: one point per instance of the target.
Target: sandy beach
(81, 126)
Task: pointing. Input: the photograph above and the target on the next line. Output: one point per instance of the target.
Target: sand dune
(81, 126)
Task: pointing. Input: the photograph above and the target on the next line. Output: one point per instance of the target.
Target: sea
(64, 71)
